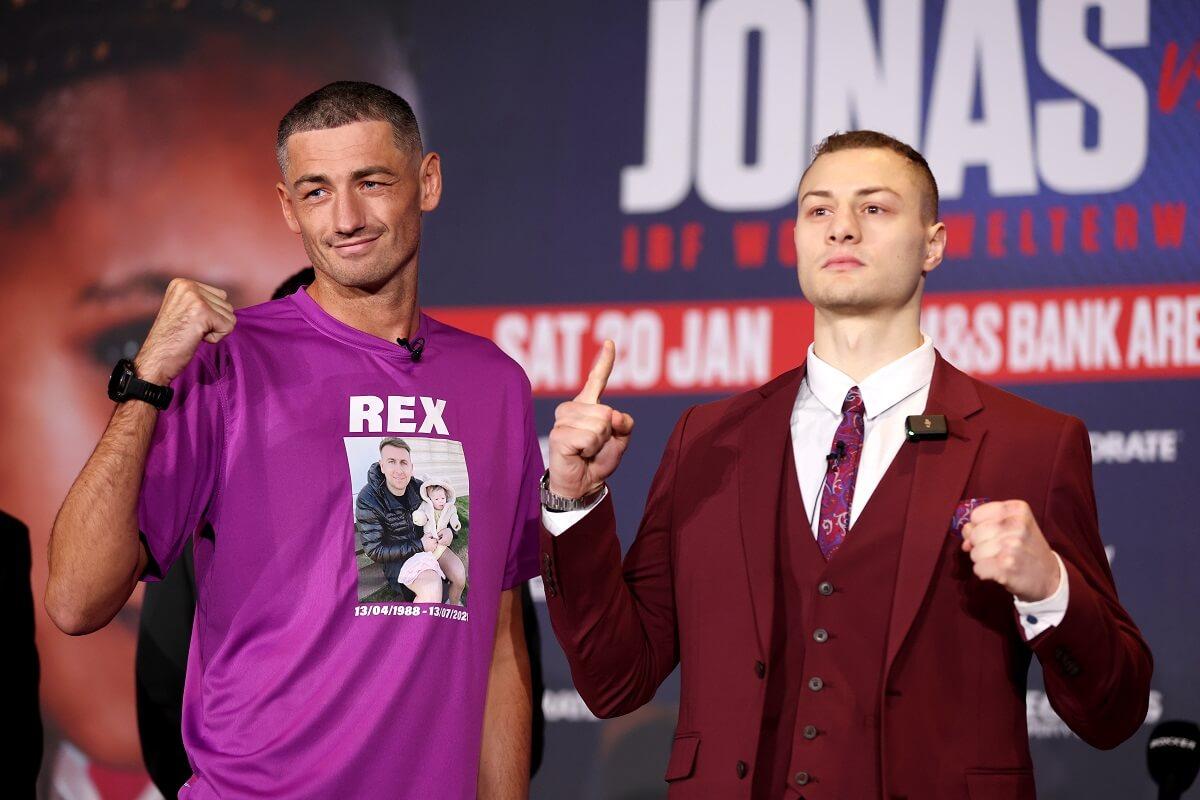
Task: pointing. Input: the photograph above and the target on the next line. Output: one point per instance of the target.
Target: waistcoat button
(820, 635)
(825, 588)
(816, 684)
(810, 731)
(802, 778)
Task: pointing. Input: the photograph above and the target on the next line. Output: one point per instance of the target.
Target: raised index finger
(598, 378)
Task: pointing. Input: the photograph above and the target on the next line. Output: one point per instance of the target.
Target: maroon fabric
(842, 758)
(699, 588)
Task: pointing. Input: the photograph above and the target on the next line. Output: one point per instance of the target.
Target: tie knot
(854, 402)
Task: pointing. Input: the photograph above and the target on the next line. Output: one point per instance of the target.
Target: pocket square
(962, 513)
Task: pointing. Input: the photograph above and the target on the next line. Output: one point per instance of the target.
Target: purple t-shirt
(310, 672)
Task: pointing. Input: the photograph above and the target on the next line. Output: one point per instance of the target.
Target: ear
(431, 181)
(935, 246)
(285, 204)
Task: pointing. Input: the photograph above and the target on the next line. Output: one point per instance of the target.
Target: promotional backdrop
(629, 171)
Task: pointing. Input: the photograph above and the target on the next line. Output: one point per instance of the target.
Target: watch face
(119, 382)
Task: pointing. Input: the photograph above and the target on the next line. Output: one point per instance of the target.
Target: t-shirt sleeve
(182, 466)
(523, 545)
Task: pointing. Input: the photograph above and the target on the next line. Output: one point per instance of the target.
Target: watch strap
(126, 385)
(152, 393)
(556, 503)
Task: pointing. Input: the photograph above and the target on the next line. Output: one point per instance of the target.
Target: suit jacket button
(760, 669)
(742, 769)
(816, 684)
(821, 635)
(802, 778)
(825, 588)
(810, 731)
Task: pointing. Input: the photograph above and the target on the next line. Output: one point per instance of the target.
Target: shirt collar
(880, 390)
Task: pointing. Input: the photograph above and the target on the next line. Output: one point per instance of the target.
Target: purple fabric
(962, 513)
(837, 492)
(294, 687)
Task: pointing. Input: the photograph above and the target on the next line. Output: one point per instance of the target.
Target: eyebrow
(358, 174)
(151, 281)
(860, 193)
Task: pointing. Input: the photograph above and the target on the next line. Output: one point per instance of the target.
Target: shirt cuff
(557, 522)
(1042, 615)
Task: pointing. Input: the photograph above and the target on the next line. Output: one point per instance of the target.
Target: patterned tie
(837, 493)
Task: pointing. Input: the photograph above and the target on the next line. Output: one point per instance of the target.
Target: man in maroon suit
(803, 554)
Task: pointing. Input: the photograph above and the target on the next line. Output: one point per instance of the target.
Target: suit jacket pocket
(683, 756)
(1001, 784)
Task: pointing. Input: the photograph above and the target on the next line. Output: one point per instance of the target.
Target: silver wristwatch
(555, 502)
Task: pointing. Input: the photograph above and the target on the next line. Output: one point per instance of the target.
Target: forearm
(616, 624)
(1097, 667)
(95, 555)
(1096, 664)
(508, 713)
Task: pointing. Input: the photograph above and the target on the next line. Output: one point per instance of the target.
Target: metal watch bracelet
(555, 503)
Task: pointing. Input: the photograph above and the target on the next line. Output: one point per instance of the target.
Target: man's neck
(860, 345)
(390, 313)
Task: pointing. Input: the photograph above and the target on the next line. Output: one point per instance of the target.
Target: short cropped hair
(344, 102)
(864, 139)
(394, 442)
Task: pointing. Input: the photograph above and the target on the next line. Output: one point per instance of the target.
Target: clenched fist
(1007, 546)
(190, 311)
(588, 438)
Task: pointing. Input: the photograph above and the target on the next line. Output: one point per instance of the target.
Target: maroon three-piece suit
(889, 671)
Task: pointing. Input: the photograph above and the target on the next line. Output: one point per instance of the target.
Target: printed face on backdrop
(154, 174)
(356, 200)
(862, 245)
(396, 465)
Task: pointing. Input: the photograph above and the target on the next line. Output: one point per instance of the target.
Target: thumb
(622, 423)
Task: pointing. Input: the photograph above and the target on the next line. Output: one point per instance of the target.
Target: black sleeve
(22, 756)
(160, 666)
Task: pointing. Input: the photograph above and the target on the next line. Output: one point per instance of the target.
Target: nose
(348, 216)
(843, 228)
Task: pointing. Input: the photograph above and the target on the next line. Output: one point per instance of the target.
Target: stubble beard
(366, 275)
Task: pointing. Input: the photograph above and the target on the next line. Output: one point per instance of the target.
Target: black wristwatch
(126, 385)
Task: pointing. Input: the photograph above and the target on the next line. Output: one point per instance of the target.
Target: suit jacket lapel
(941, 474)
(762, 438)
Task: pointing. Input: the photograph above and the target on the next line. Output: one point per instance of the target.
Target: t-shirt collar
(330, 325)
(880, 390)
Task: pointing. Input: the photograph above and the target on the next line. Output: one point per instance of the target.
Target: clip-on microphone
(415, 348)
(925, 426)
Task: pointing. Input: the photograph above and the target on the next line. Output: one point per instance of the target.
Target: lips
(843, 262)
(356, 246)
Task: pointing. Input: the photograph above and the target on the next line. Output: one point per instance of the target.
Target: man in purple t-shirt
(250, 436)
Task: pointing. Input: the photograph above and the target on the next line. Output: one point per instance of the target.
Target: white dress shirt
(891, 393)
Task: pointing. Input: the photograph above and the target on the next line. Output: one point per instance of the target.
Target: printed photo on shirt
(411, 505)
